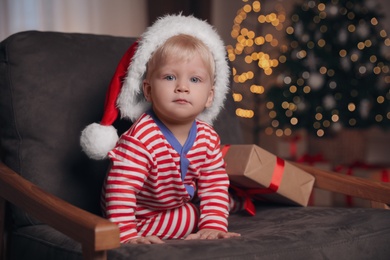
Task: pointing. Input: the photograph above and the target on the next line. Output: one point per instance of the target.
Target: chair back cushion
(51, 86)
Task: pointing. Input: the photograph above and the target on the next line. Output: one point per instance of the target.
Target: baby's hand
(145, 240)
(211, 234)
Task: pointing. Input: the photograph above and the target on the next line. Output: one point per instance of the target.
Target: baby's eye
(169, 77)
(195, 80)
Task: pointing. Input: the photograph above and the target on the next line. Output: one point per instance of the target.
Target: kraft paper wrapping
(251, 167)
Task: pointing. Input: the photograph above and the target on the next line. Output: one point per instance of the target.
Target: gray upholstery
(53, 84)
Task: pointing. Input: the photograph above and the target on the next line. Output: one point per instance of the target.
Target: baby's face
(179, 90)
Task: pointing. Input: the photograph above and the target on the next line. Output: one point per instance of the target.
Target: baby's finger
(192, 236)
(155, 240)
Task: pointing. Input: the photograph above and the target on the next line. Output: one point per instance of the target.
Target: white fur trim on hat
(131, 101)
(97, 140)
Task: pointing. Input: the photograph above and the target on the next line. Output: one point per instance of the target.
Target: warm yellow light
(256, 6)
(279, 132)
(378, 118)
(320, 133)
(245, 113)
(380, 99)
(292, 106)
(354, 57)
(342, 53)
(318, 116)
(360, 45)
(272, 17)
(268, 71)
(290, 30)
(257, 89)
(287, 132)
(270, 105)
(259, 40)
(374, 21)
(293, 89)
(237, 97)
(335, 118)
(321, 43)
(294, 121)
(301, 54)
(351, 28)
(377, 70)
(321, 7)
(232, 56)
(351, 107)
(306, 89)
(248, 59)
(272, 114)
(268, 37)
(247, 8)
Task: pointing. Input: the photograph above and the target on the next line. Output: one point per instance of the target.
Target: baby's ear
(210, 98)
(146, 88)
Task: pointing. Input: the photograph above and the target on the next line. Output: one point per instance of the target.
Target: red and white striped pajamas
(153, 181)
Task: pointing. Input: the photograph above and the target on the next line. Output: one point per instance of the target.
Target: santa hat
(125, 95)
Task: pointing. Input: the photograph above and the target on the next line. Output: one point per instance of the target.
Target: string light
(254, 48)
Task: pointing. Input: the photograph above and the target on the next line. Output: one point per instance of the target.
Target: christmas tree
(334, 71)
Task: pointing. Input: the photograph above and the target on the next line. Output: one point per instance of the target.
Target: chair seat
(274, 233)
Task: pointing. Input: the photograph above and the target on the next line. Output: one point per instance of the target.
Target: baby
(167, 178)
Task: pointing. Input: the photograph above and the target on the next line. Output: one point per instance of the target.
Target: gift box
(372, 172)
(259, 174)
(292, 147)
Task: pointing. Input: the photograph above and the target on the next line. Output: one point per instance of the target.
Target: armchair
(51, 86)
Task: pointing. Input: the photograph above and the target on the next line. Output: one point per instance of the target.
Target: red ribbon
(294, 146)
(248, 203)
(385, 175)
(248, 194)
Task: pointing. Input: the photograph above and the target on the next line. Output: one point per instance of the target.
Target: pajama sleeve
(213, 192)
(126, 176)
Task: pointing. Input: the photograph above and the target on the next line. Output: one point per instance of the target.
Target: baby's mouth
(181, 101)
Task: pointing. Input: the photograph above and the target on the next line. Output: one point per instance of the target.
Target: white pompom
(97, 140)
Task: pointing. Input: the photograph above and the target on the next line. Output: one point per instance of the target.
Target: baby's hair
(182, 47)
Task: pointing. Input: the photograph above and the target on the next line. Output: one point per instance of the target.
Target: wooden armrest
(349, 185)
(96, 234)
